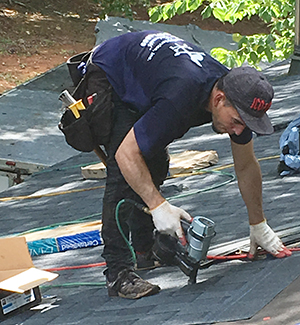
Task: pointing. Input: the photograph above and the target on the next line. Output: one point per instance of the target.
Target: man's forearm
(136, 172)
(249, 180)
(250, 185)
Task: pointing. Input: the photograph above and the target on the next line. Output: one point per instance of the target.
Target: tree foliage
(279, 15)
(119, 7)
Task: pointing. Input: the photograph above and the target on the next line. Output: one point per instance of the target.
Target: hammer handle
(101, 155)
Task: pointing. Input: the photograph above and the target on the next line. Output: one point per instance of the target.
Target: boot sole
(150, 292)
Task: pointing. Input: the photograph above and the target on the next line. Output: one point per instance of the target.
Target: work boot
(146, 261)
(129, 285)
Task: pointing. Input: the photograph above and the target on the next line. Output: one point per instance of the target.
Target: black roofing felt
(227, 291)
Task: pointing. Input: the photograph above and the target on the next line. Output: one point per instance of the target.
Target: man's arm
(135, 171)
(249, 178)
(250, 184)
(166, 217)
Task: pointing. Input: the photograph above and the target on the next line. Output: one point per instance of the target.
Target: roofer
(163, 86)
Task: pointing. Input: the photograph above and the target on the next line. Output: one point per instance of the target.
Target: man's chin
(216, 130)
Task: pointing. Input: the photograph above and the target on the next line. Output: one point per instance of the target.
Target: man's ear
(218, 97)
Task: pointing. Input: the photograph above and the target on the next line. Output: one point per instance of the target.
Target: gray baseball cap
(251, 94)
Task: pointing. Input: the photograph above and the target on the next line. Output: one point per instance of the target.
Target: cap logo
(260, 105)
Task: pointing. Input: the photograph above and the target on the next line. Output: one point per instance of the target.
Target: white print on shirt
(164, 38)
(196, 57)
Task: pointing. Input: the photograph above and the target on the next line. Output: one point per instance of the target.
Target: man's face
(226, 119)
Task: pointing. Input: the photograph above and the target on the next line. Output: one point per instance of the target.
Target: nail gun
(168, 250)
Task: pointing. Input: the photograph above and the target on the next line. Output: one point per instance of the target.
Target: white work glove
(166, 219)
(262, 235)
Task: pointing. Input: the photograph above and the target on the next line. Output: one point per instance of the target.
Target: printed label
(87, 239)
(16, 300)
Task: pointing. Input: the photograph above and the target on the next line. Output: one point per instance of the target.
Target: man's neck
(209, 106)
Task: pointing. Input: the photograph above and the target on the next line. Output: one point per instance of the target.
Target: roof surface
(231, 291)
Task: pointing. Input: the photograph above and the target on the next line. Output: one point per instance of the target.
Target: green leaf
(239, 15)
(182, 8)
(229, 15)
(243, 40)
(177, 4)
(219, 52)
(253, 57)
(171, 11)
(219, 14)
(230, 61)
(206, 13)
(236, 37)
(268, 54)
(194, 4)
(164, 11)
(269, 39)
(233, 14)
(260, 49)
(241, 6)
(155, 14)
(266, 17)
(226, 57)
(278, 26)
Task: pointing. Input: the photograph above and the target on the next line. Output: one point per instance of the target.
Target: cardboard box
(19, 279)
(12, 303)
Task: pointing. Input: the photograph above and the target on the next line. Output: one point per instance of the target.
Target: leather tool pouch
(94, 125)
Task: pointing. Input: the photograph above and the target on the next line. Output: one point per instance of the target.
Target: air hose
(209, 188)
(145, 209)
(120, 228)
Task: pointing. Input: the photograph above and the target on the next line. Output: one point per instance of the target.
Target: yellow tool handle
(80, 106)
(74, 111)
(77, 107)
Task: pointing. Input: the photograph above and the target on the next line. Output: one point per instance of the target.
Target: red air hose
(62, 268)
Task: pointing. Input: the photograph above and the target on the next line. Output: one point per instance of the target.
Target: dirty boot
(129, 285)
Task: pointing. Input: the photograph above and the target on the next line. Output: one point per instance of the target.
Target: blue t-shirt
(167, 79)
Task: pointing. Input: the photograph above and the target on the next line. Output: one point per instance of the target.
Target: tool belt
(93, 124)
